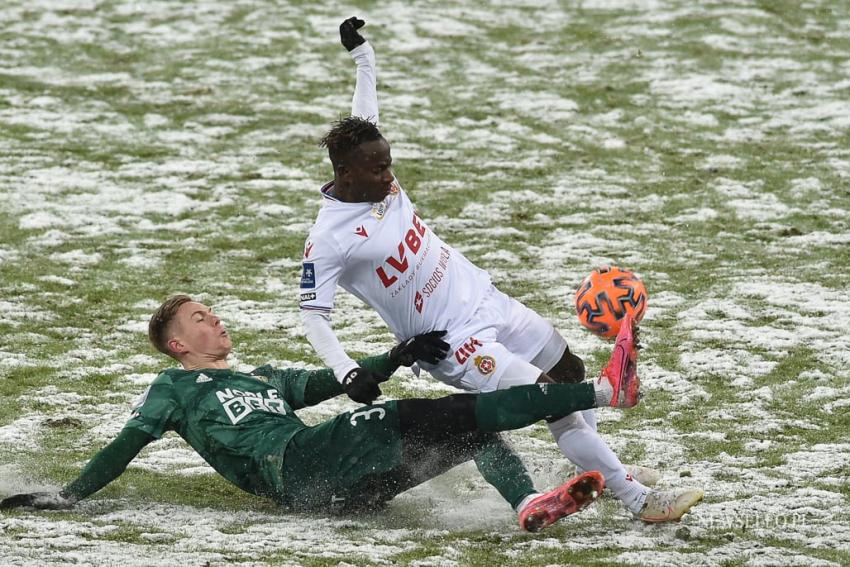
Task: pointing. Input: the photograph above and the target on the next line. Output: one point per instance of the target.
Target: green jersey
(239, 423)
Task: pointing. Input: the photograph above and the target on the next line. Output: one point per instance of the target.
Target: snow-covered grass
(161, 147)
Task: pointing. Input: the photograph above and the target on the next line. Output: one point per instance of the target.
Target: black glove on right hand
(361, 385)
(428, 347)
(348, 34)
(39, 500)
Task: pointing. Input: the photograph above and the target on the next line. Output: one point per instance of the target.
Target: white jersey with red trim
(385, 255)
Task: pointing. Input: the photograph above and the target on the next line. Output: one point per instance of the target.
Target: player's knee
(568, 370)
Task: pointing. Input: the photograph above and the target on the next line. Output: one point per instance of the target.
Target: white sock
(526, 501)
(604, 393)
(586, 449)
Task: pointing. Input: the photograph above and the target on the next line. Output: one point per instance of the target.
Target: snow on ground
(766, 490)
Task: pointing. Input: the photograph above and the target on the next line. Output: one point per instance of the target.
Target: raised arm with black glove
(348, 34)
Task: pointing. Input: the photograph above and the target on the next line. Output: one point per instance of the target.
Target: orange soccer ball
(605, 296)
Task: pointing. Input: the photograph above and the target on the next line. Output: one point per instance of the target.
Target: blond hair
(159, 327)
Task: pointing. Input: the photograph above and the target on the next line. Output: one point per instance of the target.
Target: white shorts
(502, 334)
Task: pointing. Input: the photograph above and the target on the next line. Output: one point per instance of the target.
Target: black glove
(428, 347)
(39, 500)
(348, 34)
(361, 385)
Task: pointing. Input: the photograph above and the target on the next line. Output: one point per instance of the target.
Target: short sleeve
(154, 408)
(320, 271)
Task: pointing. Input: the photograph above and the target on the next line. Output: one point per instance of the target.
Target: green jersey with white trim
(240, 424)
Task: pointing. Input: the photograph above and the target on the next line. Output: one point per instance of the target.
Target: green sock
(520, 406)
(502, 468)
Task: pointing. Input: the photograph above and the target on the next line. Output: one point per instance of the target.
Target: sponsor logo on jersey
(238, 404)
(485, 364)
(398, 263)
(433, 282)
(202, 378)
(308, 249)
(308, 275)
(467, 349)
(361, 231)
(418, 302)
(308, 296)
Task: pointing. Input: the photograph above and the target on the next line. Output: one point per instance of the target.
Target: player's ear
(343, 171)
(175, 346)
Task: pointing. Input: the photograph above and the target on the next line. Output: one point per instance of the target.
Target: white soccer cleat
(669, 506)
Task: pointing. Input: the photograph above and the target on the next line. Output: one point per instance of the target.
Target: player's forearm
(108, 464)
(365, 102)
(323, 385)
(317, 328)
(382, 364)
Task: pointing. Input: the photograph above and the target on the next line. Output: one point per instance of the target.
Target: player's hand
(427, 347)
(348, 34)
(361, 385)
(38, 500)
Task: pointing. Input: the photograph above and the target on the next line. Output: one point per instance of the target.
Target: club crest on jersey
(380, 209)
(418, 302)
(485, 364)
(361, 231)
(308, 275)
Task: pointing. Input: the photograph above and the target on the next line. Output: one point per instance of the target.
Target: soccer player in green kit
(244, 426)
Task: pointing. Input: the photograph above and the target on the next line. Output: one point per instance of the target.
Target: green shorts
(334, 465)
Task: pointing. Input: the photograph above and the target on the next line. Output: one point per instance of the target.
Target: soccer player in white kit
(369, 239)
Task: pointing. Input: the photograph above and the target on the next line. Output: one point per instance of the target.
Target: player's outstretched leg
(620, 374)
(521, 406)
(569, 498)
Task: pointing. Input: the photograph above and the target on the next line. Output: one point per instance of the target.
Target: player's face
(369, 174)
(199, 333)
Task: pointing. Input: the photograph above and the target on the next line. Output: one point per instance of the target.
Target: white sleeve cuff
(363, 54)
(317, 327)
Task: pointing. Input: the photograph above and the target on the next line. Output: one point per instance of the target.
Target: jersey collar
(326, 192)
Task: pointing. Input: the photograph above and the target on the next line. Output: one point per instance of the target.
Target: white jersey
(385, 255)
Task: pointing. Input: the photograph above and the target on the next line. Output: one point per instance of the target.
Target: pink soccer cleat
(572, 496)
(621, 370)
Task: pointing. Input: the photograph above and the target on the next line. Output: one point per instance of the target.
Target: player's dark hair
(346, 135)
(160, 323)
